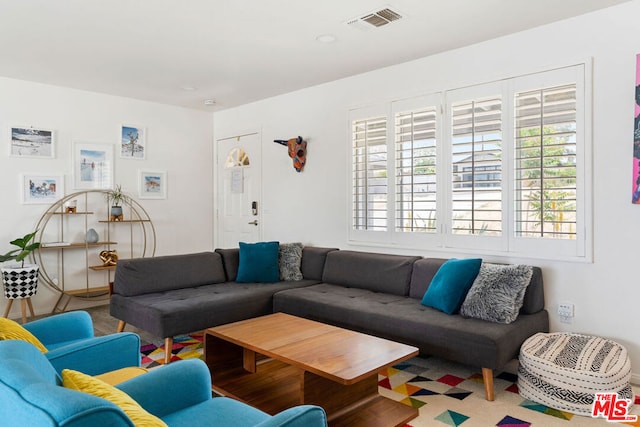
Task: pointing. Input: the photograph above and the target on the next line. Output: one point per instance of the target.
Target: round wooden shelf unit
(69, 264)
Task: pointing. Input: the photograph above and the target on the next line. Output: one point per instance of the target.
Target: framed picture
(152, 185)
(635, 185)
(41, 188)
(31, 142)
(132, 142)
(92, 166)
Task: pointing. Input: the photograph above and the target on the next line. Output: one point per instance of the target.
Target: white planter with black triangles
(20, 282)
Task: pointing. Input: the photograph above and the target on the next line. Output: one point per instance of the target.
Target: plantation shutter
(545, 161)
(476, 155)
(498, 166)
(415, 145)
(370, 190)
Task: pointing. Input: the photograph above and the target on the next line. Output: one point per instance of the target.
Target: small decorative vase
(20, 282)
(92, 236)
(116, 213)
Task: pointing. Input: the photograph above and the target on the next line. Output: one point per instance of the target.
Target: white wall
(178, 141)
(604, 291)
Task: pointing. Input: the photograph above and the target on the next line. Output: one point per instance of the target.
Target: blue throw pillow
(451, 283)
(258, 263)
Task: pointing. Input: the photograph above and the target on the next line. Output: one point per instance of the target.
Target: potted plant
(20, 280)
(116, 197)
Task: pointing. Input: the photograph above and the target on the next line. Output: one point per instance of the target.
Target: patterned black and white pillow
(290, 259)
(497, 293)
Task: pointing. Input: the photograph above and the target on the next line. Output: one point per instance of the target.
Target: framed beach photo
(92, 166)
(31, 142)
(41, 188)
(152, 184)
(133, 144)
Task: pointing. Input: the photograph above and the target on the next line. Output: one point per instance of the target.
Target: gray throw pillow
(497, 293)
(289, 261)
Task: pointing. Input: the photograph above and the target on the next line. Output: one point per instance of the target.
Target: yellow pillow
(11, 330)
(82, 382)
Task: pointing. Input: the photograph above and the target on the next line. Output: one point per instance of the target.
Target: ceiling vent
(376, 19)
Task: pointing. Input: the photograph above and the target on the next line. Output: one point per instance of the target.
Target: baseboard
(635, 379)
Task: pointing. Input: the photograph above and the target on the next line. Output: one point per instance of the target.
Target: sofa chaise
(378, 294)
(178, 294)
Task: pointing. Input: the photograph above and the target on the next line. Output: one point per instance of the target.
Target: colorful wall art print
(132, 142)
(39, 188)
(30, 142)
(92, 166)
(635, 198)
(152, 184)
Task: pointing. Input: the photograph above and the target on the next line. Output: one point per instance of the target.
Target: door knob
(254, 222)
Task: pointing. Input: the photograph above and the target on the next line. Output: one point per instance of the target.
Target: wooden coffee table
(278, 361)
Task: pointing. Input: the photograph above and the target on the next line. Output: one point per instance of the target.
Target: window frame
(508, 244)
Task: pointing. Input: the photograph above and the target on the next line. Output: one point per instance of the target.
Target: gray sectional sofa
(378, 294)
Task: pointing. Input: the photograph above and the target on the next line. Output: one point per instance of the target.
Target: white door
(239, 189)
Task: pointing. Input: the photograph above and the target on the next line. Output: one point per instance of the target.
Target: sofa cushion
(313, 260)
(121, 375)
(139, 276)
(451, 284)
(258, 263)
(422, 275)
(534, 295)
(366, 270)
(289, 260)
(497, 292)
(12, 330)
(230, 260)
(81, 382)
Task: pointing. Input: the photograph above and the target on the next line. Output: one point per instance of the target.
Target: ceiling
(238, 51)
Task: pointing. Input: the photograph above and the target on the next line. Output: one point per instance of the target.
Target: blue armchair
(70, 342)
(179, 394)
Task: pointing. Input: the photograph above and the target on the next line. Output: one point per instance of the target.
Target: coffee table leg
(337, 398)
(249, 360)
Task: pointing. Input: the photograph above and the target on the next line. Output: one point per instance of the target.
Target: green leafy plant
(116, 196)
(25, 248)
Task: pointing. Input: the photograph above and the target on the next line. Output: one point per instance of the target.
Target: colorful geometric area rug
(445, 393)
(449, 394)
(184, 347)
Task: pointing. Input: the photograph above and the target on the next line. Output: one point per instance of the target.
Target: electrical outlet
(566, 319)
(565, 309)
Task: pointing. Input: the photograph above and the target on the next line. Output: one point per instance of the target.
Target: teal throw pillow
(451, 283)
(258, 263)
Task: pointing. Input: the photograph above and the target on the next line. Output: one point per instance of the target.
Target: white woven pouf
(564, 370)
